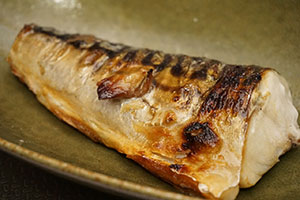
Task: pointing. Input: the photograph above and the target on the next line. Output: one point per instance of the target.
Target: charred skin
(233, 81)
(231, 85)
(206, 91)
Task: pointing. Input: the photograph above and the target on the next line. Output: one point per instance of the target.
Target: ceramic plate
(262, 33)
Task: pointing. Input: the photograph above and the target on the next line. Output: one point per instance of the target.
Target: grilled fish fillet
(197, 123)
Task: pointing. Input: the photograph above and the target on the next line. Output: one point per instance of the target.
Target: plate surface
(262, 33)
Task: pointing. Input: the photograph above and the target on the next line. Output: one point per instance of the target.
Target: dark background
(21, 180)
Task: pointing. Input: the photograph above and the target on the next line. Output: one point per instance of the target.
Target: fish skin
(183, 118)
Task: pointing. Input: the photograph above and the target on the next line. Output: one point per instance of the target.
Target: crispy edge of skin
(160, 170)
(186, 184)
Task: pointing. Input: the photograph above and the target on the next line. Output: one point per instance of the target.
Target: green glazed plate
(264, 33)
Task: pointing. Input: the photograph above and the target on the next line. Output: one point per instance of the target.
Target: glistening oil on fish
(197, 123)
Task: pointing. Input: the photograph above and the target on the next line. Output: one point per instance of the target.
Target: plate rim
(90, 178)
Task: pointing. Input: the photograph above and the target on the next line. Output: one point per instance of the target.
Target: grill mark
(198, 60)
(147, 60)
(164, 63)
(200, 74)
(255, 77)
(97, 46)
(212, 62)
(77, 43)
(130, 56)
(177, 70)
(211, 103)
(51, 32)
(233, 90)
(99, 64)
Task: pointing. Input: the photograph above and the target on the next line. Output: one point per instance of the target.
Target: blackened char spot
(66, 36)
(108, 52)
(52, 32)
(200, 74)
(177, 69)
(232, 76)
(204, 65)
(198, 135)
(130, 56)
(197, 61)
(95, 46)
(77, 43)
(210, 102)
(38, 29)
(164, 63)
(177, 167)
(254, 78)
(176, 98)
(147, 60)
(233, 90)
(212, 62)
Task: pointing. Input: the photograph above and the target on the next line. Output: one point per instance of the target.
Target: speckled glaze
(262, 33)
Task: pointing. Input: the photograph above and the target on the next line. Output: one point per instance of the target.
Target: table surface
(22, 180)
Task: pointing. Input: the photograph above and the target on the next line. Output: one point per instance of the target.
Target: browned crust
(233, 90)
(234, 82)
(198, 137)
(229, 91)
(166, 173)
(112, 87)
(163, 171)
